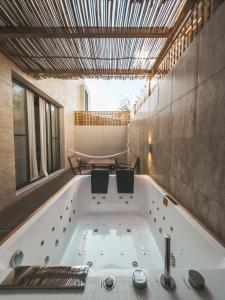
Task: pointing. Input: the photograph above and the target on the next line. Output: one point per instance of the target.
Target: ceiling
(89, 38)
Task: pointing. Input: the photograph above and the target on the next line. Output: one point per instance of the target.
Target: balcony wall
(184, 119)
(101, 140)
(65, 93)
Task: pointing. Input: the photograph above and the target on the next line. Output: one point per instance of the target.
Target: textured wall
(184, 119)
(101, 140)
(64, 93)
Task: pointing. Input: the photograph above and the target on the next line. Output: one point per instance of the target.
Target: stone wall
(184, 120)
(65, 93)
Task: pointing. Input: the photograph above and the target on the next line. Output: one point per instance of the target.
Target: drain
(90, 263)
(135, 264)
(128, 230)
(95, 230)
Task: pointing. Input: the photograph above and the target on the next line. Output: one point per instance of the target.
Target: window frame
(28, 182)
(14, 81)
(51, 138)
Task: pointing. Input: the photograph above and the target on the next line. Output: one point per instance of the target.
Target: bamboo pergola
(90, 38)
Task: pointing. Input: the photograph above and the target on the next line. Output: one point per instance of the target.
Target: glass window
(86, 101)
(48, 136)
(20, 135)
(55, 137)
(53, 151)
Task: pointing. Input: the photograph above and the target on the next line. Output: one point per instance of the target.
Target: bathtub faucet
(166, 279)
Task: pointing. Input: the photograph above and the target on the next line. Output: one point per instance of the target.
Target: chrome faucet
(166, 279)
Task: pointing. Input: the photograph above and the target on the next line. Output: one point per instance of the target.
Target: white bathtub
(113, 232)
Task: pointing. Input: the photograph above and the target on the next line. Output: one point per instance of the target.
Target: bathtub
(114, 234)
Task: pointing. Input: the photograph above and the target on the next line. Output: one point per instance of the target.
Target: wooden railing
(113, 118)
(186, 34)
(192, 25)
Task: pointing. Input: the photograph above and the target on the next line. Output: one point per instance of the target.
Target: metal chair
(133, 165)
(78, 166)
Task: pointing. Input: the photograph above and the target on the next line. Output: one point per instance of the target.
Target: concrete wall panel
(212, 45)
(211, 107)
(188, 135)
(185, 72)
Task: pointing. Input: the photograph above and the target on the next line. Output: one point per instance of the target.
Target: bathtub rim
(202, 228)
(197, 224)
(20, 228)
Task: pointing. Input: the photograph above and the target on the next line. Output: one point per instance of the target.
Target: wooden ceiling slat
(83, 72)
(84, 32)
(88, 38)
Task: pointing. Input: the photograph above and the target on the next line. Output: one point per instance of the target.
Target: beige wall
(101, 140)
(65, 93)
(184, 119)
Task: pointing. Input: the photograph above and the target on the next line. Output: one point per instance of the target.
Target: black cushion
(125, 181)
(99, 181)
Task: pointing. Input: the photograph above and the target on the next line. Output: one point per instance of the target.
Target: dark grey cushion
(125, 181)
(99, 181)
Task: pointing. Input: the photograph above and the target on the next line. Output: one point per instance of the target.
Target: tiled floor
(12, 216)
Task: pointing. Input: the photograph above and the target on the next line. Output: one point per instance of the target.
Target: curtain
(31, 135)
(43, 136)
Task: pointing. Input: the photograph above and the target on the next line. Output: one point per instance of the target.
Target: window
(21, 135)
(86, 101)
(52, 124)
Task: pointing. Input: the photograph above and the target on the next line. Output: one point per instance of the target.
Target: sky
(108, 94)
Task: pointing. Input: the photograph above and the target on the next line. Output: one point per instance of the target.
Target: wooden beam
(89, 72)
(83, 32)
(80, 73)
(188, 6)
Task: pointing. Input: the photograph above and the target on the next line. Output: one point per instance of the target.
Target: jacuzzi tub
(115, 233)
